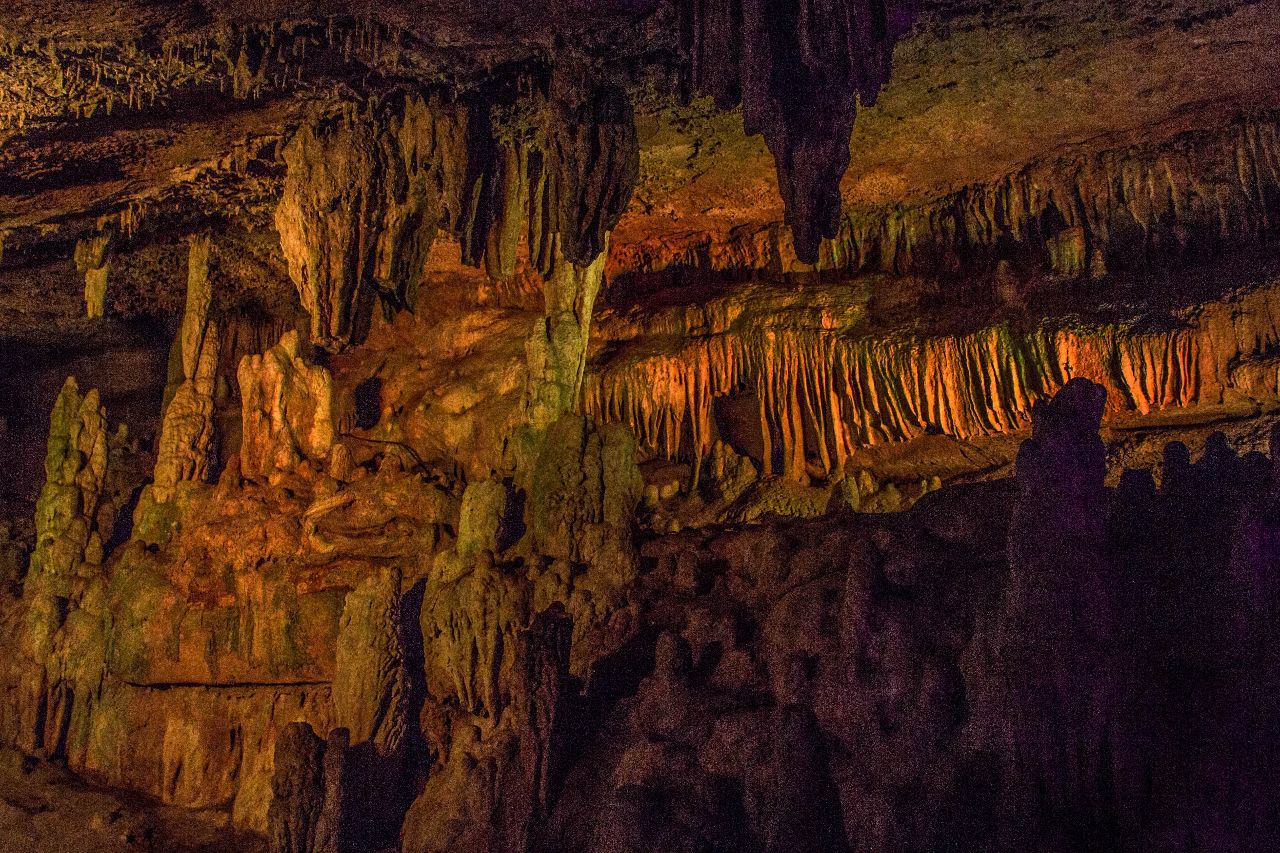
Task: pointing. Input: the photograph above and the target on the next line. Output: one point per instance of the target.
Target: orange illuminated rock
(287, 410)
(186, 432)
(821, 393)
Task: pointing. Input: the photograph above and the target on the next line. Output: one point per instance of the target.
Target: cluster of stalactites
(822, 396)
(798, 70)
(368, 190)
(559, 167)
(67, 77)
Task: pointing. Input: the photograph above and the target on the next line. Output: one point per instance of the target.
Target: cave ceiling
(170, 113)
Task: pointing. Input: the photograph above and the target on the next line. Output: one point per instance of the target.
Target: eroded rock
(186, 432)
(288, 410)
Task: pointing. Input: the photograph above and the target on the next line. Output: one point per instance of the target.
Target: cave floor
(45, 808)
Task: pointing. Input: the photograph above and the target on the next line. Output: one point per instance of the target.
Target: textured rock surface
(288, 410)
(521, 481)
(186, 430)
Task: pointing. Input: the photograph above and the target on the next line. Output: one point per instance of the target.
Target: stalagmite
(1067, 611)
(63, 596)
(541, 724)
(287, 413)
(186, 433)
(582, 495)
(299, 821)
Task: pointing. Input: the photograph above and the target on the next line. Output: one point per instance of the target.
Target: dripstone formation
(799, 76)
(732, 426)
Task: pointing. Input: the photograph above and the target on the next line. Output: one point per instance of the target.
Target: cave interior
(639, 426)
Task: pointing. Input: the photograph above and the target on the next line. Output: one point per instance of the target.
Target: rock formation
(92, 259)
(580, 434)
(799, 74)
(57, 677)
(288, 410)
(1062, 614)
(306, 792)
(186, 431)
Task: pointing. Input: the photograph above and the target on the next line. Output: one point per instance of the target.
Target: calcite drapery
(799, 70)
(287, 410)
(822, 394)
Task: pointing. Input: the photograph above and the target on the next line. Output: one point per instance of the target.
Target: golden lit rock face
(288, 411)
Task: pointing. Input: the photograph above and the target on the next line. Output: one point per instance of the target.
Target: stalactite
(823, 394)
(1134, 207)
(52, 78)
(367, 191)
(362, 201)
(799, 72)
(595, 158)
